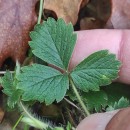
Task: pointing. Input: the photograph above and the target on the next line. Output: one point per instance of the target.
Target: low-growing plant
(53, 42)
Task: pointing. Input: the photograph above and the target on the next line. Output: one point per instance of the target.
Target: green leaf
(122, 103)
(95, 100)
(10, 89)
(69, 126)
(7, 83)
(98, 69)
(42, 83)
(14, 98)
(53, 41)
(115, 91)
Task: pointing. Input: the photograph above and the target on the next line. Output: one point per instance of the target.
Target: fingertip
(116, 41)
(91, 41)
(96, 121)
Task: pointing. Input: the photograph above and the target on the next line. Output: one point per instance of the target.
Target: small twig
(70, 118)
(71, 103)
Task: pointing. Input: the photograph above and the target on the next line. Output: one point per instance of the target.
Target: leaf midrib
(56, 48)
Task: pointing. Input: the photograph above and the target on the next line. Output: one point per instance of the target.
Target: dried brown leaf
(91, 23)
(120, 17)
(17, 18)
(95, 14)
(1, 114)
(66, 9)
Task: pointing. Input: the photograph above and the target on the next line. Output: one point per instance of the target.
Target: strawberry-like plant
(53, 42)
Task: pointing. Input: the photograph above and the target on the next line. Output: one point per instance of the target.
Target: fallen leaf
(17, 18)
(120, 17)
(50, 111)
(66, 9)
(95, 14)
(90, 23)
(84, 2)
(1, 115)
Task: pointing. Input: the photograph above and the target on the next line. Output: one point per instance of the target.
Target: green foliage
(122, 103)
(115, 91)
(107, 97)
(8, 83)
(69, 126)
(42, 83)
(53, 41)
(96, 70)
(95, 100)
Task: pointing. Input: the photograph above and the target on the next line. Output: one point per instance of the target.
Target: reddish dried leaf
(90, 23)
(120, 17)
(66, 9)
(17, 18)
(1, 115)
(84, 2)
(96, 14)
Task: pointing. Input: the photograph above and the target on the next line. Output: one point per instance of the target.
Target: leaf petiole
(40, 12)
(32, 120)
(79, 98)
(20, 118)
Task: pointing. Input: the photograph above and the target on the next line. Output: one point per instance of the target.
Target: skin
(117, 42)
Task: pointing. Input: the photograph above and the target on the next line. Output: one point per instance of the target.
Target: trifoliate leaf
(96, 70)
(53, 41)
(95, 100)
(122, 103)
(115, 91)
(10, 89)
(42, 83)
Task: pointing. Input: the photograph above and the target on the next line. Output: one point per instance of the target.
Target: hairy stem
(20, 118)
(39, 124)
(32, 121)
(40, 12)
(79, 98)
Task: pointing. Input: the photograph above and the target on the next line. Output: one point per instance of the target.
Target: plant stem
(40, 12)
(71, 103)
(33, 121)
(20, 118)
(39, 124)
(79, 98)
